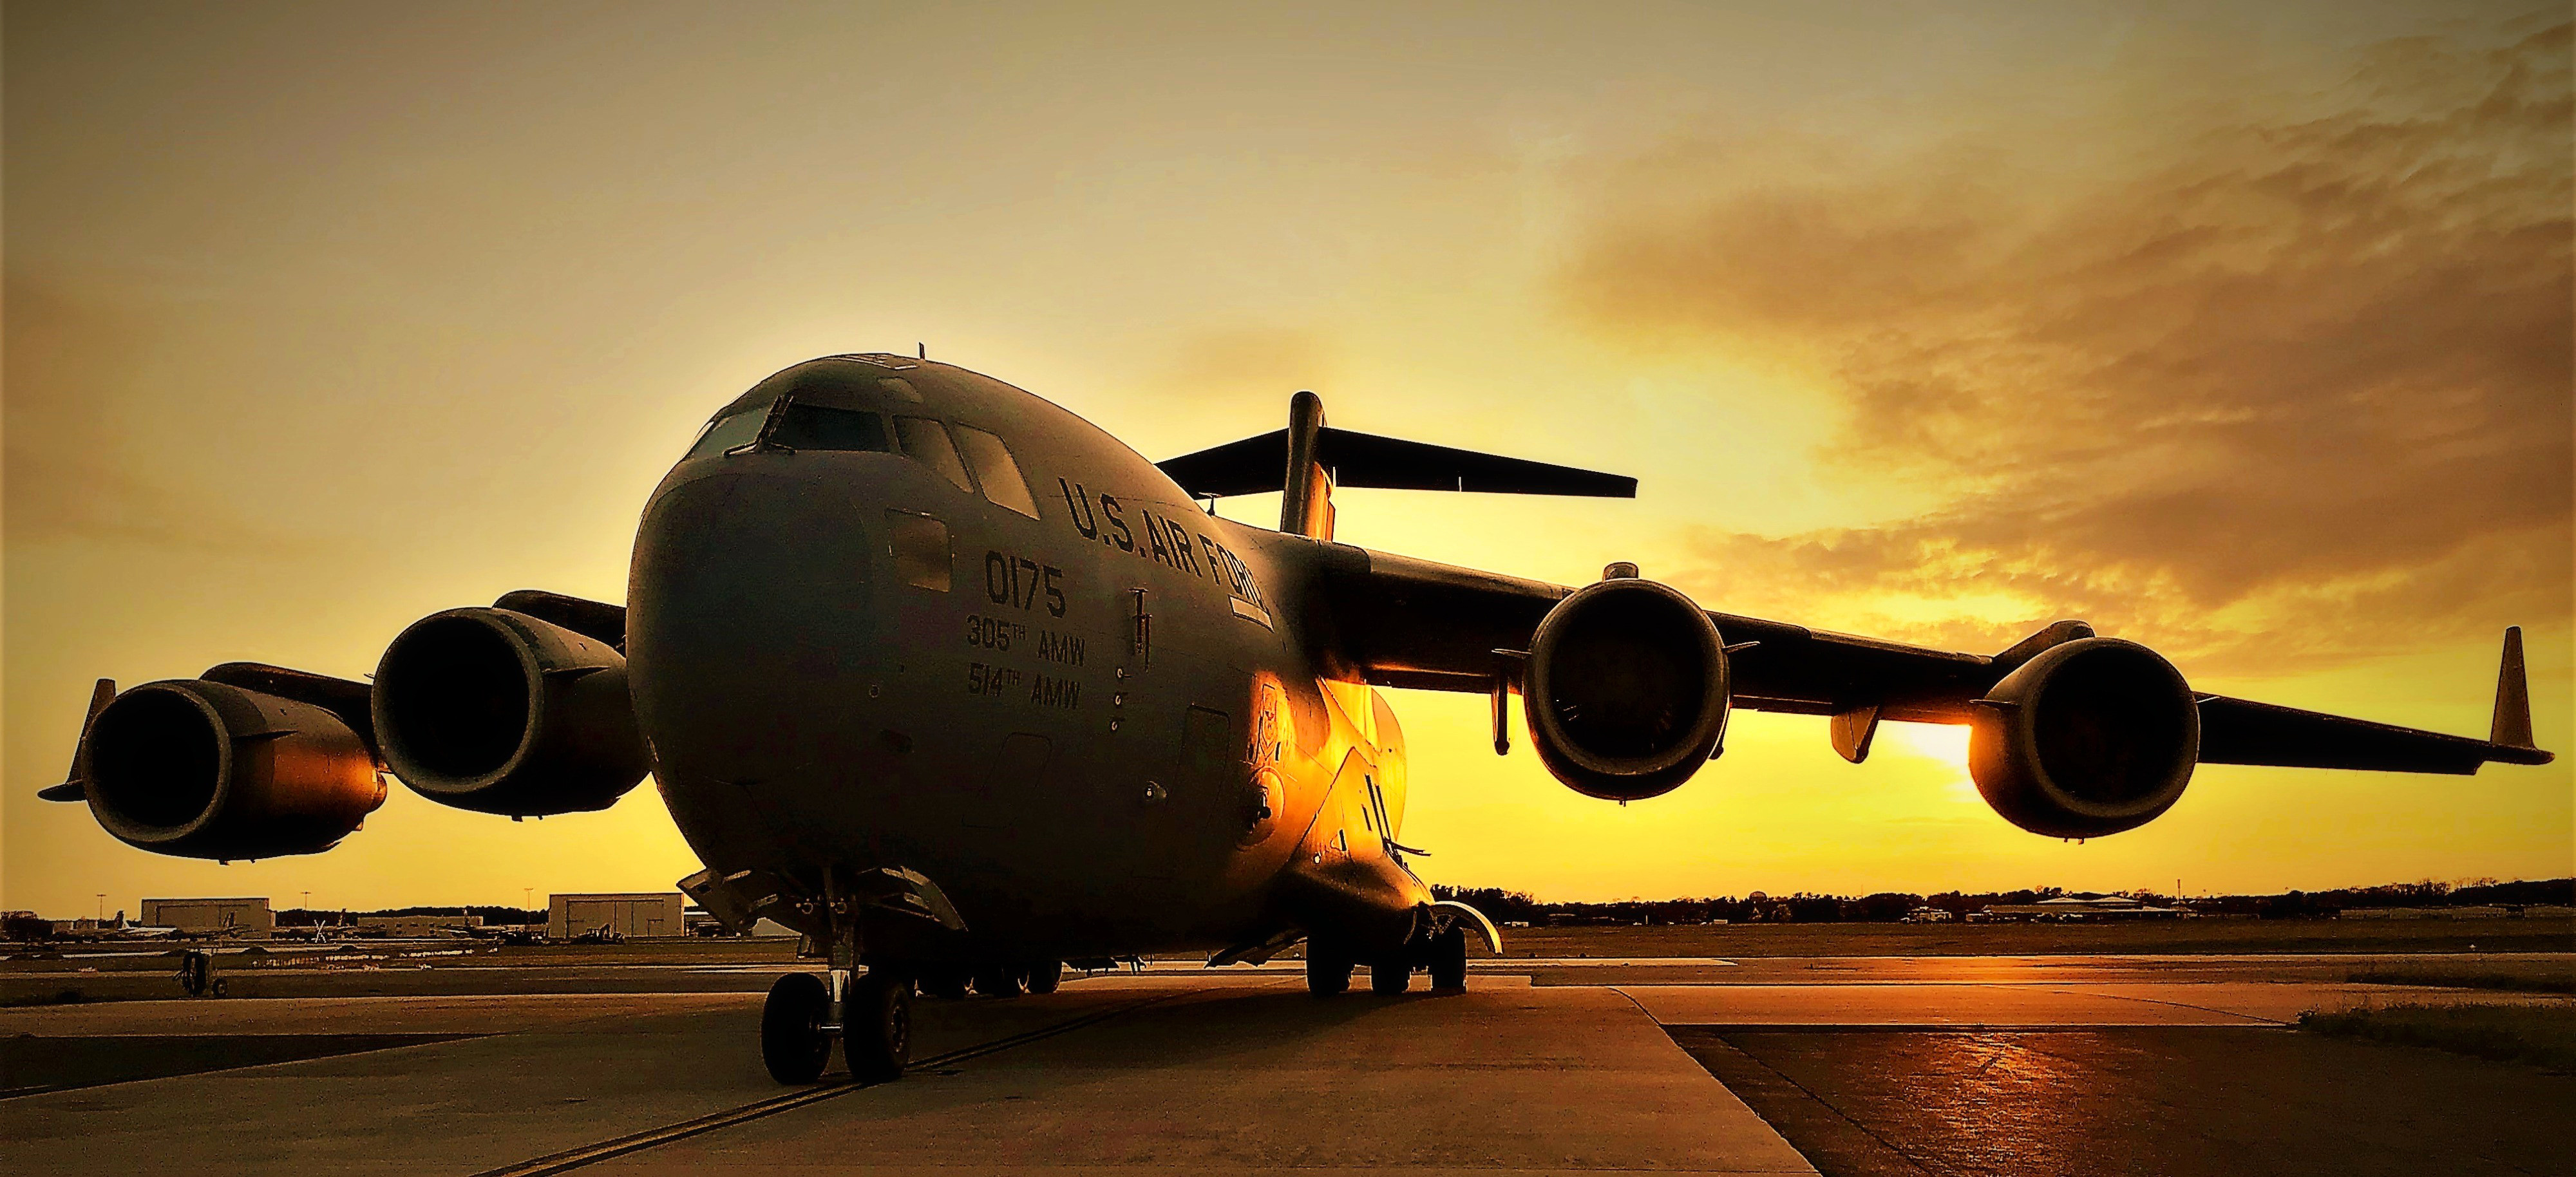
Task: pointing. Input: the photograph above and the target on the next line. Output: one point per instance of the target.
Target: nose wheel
(793, 1042)
(874, 1026)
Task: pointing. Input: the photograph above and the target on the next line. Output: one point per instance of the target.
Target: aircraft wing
(1413, 623)
(2240, 731)
(1417, 624)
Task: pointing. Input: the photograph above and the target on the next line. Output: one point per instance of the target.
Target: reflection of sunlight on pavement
(1997, 1090)
(1943, 743)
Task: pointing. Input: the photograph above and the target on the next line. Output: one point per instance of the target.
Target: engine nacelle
(207, 770)
(1625, 689)
(2089, 738)
(495, 711)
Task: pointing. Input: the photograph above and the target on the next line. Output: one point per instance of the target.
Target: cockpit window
(814, 427)
(996, 471)
(919, 545)
(926, 441)
(724, 433)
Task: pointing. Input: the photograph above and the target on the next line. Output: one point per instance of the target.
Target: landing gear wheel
(792, 1042)
(876, 1027)
(1388, 979)
(1327, 973)
(997, 981)
(1449, 961)
(1045, 975)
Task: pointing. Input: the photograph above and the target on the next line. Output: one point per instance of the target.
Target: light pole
(102, 907)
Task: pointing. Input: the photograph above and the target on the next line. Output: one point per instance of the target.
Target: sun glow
(1942, 743)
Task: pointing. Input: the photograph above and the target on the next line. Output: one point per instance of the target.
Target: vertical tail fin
(2512, 726)
(1307, 507)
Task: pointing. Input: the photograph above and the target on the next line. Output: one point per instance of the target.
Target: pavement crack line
(2249, 1019)
(591, 1154)
(1802, 1089)
(1900, 1154)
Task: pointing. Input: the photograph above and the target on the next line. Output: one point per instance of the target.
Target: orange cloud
(2265, 389)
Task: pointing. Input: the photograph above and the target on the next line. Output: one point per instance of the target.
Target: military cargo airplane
(952, 682)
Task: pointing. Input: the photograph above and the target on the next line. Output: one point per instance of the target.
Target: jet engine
(2088, 738)
(493, 710)
(209, 770)
(1625, 689)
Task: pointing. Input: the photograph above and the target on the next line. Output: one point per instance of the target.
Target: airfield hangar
(247, 918)
(631, 915)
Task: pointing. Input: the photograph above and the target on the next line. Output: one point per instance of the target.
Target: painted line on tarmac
(592, 1154)
(1961, 1027)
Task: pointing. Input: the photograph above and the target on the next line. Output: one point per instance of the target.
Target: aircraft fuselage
(1100, 730)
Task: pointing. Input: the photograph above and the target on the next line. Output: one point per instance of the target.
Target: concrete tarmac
(1171, 1069)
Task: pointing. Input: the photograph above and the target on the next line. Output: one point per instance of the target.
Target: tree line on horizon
(1508, 906)
(1505, 905)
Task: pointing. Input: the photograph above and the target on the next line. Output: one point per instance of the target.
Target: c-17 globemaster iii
(952, 682)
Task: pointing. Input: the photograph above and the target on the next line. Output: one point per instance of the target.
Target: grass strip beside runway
(2543, 1035)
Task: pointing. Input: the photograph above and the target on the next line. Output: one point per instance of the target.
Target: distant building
(416, 925)
(2077, 909)
(247, 918)
(1927, 915)
(635, 915)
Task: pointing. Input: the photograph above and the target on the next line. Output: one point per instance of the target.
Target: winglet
(73, 787)
(2512, 727)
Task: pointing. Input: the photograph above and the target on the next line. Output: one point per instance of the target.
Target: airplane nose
(751, 627)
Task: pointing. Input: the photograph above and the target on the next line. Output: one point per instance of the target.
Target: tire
(945, 981)
(1045, 975)
(1328, 974)
(792, 1043)
(1389, 980)
(997, 981)
(876, 1028)
(1449, 961)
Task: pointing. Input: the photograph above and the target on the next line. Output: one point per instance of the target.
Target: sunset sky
(2240, 330)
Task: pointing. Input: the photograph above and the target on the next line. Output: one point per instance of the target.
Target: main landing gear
(1328, 971)
(1444, 955)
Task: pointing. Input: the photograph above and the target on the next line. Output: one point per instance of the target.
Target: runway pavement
(1175, 1068)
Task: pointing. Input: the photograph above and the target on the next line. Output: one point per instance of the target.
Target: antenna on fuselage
(921, 350)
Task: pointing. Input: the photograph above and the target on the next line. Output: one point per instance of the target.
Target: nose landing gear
(871, 1014)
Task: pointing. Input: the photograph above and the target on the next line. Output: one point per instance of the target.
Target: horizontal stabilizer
(1256, 465)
